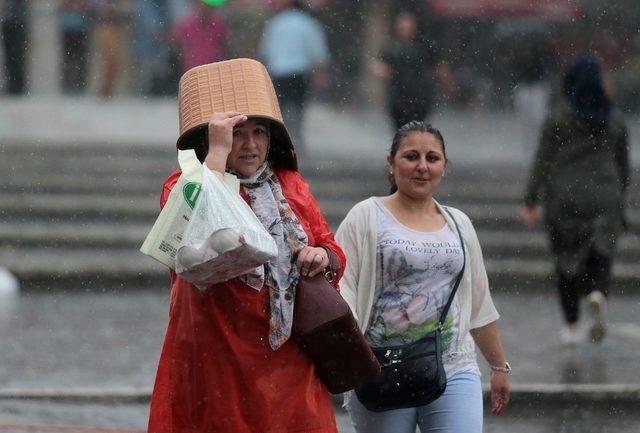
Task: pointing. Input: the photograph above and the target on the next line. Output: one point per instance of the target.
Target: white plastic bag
(165, 236)
(224, 238)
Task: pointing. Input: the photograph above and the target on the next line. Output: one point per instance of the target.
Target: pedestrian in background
(201, 36)
(580, 176)
(533, 64)
(111, 17)
(411, 69)
(403, 257)
(294, 49)
(178, 9)
(14, 17)
(157, 71)
(75, 27)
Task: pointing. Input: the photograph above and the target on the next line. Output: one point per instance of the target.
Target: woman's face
(418, 165)
(250, 146)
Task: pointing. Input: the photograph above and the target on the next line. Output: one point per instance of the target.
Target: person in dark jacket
(14, 30)
(75, 29)
(580, 176)
(411, 68)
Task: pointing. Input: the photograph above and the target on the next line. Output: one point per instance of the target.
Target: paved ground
(535, 419)
(113, 338)
(110, 341)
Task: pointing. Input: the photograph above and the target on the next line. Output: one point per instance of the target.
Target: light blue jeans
(458, 410)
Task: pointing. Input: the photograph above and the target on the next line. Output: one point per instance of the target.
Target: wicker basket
(241, 85)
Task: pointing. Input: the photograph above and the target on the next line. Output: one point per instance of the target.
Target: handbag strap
(445, 311)
(332, 268)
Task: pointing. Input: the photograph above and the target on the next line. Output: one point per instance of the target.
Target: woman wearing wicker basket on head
(404, 255)
(229, 363)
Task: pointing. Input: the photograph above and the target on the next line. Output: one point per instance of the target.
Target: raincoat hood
(583, 89)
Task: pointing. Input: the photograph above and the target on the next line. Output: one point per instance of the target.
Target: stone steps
(76, 216)
(128, 208)
(534, 244)
(339, 181)
(56, 268)
(104, 236)
(355, 189)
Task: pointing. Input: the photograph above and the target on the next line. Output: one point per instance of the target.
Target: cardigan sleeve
(483, 311)
(621, 154)
(350, 238)
(542, 163)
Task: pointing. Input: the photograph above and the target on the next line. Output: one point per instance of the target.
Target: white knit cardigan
(358, 236)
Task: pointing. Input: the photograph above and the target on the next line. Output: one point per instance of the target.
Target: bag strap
(331, 270)
(443, 316)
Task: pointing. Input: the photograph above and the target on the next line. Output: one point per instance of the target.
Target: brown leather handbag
(329, 334)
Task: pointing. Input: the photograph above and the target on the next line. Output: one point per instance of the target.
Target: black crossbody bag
(412, 375)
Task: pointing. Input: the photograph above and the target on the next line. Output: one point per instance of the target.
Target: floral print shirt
(416, 273)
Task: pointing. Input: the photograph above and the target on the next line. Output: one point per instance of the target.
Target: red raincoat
(217, 372)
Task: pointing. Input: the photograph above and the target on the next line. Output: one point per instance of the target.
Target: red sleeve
(297, 192)
(168, 186)
(164, 196)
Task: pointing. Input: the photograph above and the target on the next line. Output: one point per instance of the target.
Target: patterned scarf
(280, 274)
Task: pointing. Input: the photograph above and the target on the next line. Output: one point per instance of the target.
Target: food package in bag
(224, 238)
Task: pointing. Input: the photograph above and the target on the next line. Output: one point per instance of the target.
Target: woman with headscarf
(580, 176)
(229, 362)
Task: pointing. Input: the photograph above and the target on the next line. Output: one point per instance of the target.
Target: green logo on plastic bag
(191, 191)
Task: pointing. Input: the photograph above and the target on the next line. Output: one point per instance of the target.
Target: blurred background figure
(580, 175)
(14, 18)
(178, 9)
(111, 17)
(294, 49)
(75, 29)
(201, 36)
(411, 67)
(533, 63)
(158, 72)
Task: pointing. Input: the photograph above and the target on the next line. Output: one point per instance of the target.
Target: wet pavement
(533, 419)
(111, 340)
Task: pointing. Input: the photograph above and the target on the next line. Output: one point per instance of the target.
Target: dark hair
(299, 4)
(583, 89)
(281, 153)
(403, 132)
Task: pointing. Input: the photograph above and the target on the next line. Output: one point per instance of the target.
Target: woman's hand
(221, 138)
(312, 260)
(529, 214)
(487, 338)
(500, 392)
